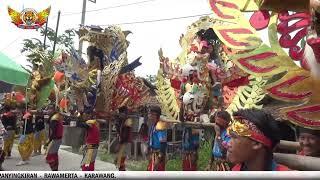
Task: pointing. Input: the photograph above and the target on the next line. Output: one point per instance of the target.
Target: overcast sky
(145, 41)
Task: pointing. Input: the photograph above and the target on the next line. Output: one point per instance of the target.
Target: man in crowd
(39, 134)
(26, 141)
(55, 140)
(254, 134)
(190, 145)
(9, 121)
(157, 141)
(92, 141)
(219, 151)
(309, 141)
(124, 131)
(2, 153)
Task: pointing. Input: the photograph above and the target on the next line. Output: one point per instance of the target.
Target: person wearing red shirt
(254, 134)
(92, 142)
(9, 121)
(124, 130)
(55, 140)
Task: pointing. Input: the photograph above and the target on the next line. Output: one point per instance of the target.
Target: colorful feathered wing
(15, 16)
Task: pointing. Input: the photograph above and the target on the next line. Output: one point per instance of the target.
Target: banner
(159, 175)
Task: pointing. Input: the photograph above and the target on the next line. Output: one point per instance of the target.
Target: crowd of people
(244, 141)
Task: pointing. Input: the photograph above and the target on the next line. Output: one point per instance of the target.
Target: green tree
(36, 53)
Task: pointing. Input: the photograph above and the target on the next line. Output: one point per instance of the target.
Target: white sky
(146, 38)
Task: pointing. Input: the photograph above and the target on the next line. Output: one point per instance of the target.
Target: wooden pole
(83, 18)
(56, 35)
(187, 123)
(297, 162)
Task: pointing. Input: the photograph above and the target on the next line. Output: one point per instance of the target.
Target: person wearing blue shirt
(157, 141)
(219, 150)
(190, 145)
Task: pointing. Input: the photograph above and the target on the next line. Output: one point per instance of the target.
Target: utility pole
(56, 35)
(83, 18)
(45, 34)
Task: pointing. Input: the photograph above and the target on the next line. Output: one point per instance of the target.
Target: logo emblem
(29, 18)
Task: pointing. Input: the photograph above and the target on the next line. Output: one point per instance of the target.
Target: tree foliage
(37, 54)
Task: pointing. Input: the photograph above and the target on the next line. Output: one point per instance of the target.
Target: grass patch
(132, 165)
(172, 164)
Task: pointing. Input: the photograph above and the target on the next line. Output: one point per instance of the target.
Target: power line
(110, 7)
(12, 42)
(157, 20)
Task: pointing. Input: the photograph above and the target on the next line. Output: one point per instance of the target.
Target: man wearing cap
(254, 134)
(309, 142)
(157, 141)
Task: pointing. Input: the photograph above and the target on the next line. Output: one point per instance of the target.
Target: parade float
(261, 48)
(264, 48)
(104, 83)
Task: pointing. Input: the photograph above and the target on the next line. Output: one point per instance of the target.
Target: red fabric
(59, 129)
(122, 164)
(161, 166)
(175, 83)
(93, 135)
(63, 103)
(315, 44)
(187, 165)
(8, 114)
(89, 168)
(238, 82)
(278, 168)
(52, 157)
(145, 138)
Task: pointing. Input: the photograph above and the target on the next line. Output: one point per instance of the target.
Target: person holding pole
(25, 146)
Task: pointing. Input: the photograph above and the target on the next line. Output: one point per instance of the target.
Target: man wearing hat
(309, 142)
(157, 141)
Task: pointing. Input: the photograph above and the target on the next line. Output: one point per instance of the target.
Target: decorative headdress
(246, 128)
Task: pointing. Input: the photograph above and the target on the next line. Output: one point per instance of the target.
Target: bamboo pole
(297, 162)
(187, 123)
(288, 145)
